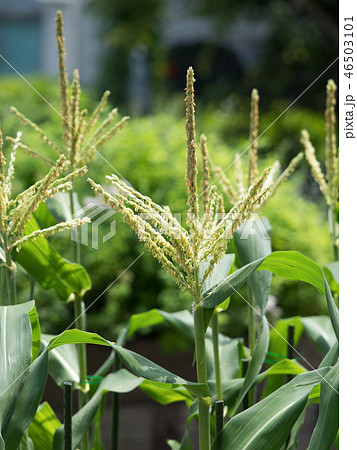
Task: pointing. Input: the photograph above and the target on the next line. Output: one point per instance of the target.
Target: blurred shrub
(151, 153)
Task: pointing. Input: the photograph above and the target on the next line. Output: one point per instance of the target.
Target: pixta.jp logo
(98, 215)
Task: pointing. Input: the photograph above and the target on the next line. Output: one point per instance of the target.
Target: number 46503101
(348, 47)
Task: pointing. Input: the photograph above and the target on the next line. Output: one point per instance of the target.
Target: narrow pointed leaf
(267, 424)
(42, 261)
(320, 332)
(331, 357)
(120, 382)
(36, 332)
(332, 309)
(219, 273)
(43, 427)
(278, 348)
(256, 363)
(165, 394)
(185, 444)
(230, 285)
(251, 244)
(326, 428)
(15, 354)
(63, 363)
(294, 265)
(136, 363)
(26, 403)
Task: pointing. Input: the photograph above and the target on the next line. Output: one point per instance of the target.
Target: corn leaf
(15, 354)
(43, 427)
(217, 294)
(25, 404)
(63, 363)
(256, 362)
(251, 245)
(267, 424)
(139, 365)
(326, 428)
(278, 348)
(293, 265)
(40, 260)
(185, 444)
(120, 382)
(320, 332)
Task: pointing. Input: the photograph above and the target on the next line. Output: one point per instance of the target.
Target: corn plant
(192, 257)
(82, 136)
(194, 254)
(252, 244)
(328, 183)
(16, 213)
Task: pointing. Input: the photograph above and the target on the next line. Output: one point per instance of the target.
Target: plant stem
(9, 283)
(203, 405)
(200, 351)
(80, 325)
(115, 410)
(251, 337)
(332, 224)
(217, 362)
(79, 313)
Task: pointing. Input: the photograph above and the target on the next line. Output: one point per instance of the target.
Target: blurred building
(27, 37)
(27, 42)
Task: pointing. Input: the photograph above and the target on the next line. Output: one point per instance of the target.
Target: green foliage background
(151, 153)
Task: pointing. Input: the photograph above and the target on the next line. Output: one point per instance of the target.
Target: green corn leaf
(21, 383)
(147, 369)
(293, 436)
(36, 332)
(256, 363)
(15, 354)
(165, 394)
(182, 323)
(43, 427)
(230, 285)
(331, 271)
(185, 444)
(332, 309)
(331, 357)
(136, 363)
(174, 445)
(120, 382)
(231, 388)
(267, 424)
(293, 265)
(320, 332)
(219, 273)
(326, 428)
(26, 402)
(43, 216)
(278, 348)
(63, 363)
(252, 245)
(42, 261)
(26, 444)
(333, 268)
